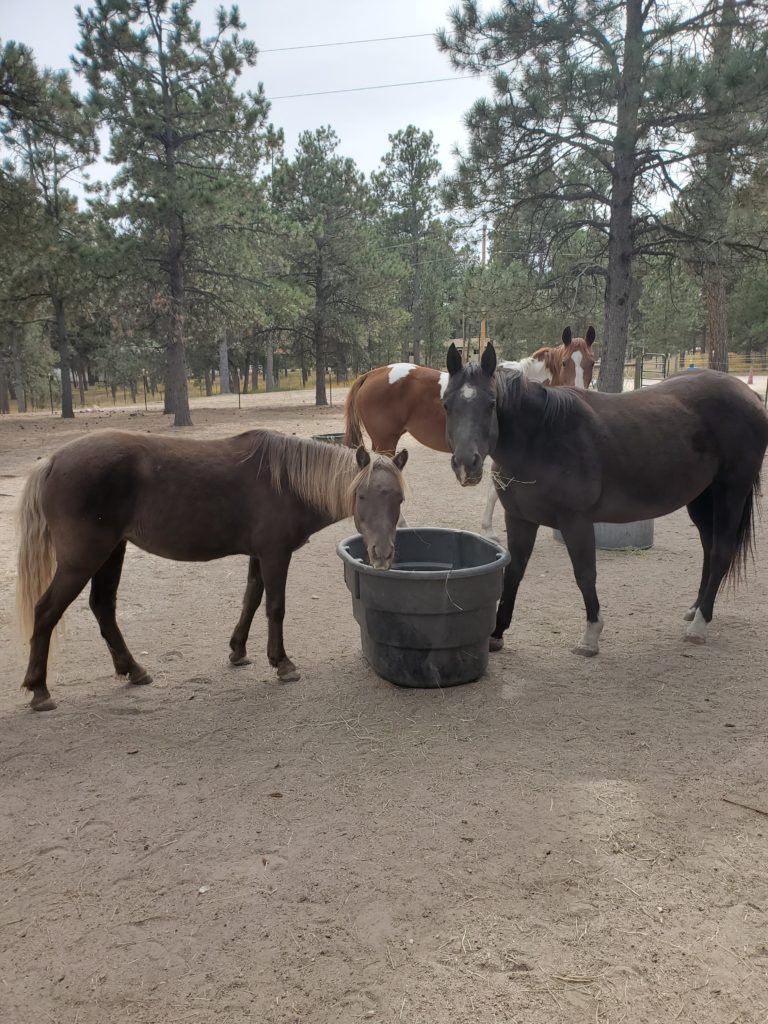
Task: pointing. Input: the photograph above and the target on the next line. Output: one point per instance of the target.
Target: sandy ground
(552, 843)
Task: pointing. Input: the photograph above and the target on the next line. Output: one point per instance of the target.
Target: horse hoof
(495, 643)
(585, 652)
(692, 638)
(239, 659)
(690, 615)
(46, 703)
(288, 673)
(143, 679)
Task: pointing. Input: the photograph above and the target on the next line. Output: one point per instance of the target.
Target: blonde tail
(37, 559)
(353, 434)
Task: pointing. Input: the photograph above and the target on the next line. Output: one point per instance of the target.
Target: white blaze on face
(577, 356)
(397, 371)
(468, 392)
(444, 378)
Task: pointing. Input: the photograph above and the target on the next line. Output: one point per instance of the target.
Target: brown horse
(260, 494)
(390, 400)
(571, 458)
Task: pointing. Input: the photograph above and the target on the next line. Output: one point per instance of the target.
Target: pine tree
(177, 123)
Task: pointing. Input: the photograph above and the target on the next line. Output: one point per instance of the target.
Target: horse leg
(700, 511)
(579, 537)
(274, 571)
(254, 590)
(521, 536)
(103, 601)
(486, 523)
(727, 516)
(66, 584)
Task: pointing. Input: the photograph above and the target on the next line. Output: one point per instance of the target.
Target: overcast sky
(363, 120)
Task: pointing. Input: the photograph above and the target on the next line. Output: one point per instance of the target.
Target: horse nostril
(475, 460)
(453, 463)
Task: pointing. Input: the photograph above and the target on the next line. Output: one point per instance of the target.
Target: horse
(568, 458)
(390, 400)
(261, 494)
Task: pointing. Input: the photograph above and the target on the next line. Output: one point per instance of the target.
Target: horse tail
(37, 559)
(744, 551)
(353, 432)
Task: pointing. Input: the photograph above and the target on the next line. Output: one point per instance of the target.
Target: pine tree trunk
(717, 322)
(246, 372)
(269, 364)
(226, 385)
(62, 344)
(618, 289)
(320, 395)
(18, 370)
(81, 382)
(208, 381)
(5, 392)
(177, 367)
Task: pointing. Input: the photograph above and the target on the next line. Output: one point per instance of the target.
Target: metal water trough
(426, 621)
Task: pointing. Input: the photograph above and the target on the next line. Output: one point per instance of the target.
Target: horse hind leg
(254, 591)
(732, 520)
(700, 511)
(68, 581)
(103, 602)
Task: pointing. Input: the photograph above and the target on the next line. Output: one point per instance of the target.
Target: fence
(648, 368)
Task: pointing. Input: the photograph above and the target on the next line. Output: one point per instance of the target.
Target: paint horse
(390, 400)
(260, 494)
(567, 459)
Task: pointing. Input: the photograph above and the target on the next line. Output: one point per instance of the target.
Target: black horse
(568, 458)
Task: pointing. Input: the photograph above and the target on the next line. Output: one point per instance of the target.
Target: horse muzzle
(381, 556)
(469, 472)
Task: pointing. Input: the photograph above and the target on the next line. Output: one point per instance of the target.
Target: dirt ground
(554, 842)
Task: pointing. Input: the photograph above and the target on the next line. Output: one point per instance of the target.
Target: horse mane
(325, 476)
(552, 357)
(512, 387)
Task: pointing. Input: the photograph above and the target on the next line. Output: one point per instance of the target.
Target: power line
(348, 42)
(369, 88)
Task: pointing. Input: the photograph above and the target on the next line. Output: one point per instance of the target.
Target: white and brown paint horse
(389, 401)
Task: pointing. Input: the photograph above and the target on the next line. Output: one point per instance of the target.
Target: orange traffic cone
(750, 378)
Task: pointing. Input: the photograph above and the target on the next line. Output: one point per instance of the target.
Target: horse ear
(567, 336)
(488, 360)
(363, 456)
(401, 458)
(590, 336)
(453, 360)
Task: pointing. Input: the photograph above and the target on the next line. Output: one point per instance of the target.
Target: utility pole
(482, 267)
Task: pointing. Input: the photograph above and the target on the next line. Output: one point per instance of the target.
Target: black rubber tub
(426, 621)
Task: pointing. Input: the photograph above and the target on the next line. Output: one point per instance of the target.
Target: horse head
(578, 360)
(378, 495)
(472, 429)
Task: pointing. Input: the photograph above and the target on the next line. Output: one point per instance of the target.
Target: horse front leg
(254, 591)
(521, 536)
(103, 601)
(579, 537)
(274, 570)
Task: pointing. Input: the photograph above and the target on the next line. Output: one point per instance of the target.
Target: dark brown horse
(568, 458)
(392, 400)
(260, 494)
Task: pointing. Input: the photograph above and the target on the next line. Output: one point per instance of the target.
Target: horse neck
(520, 416)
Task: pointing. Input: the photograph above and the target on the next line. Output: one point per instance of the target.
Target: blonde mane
(325, 476)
